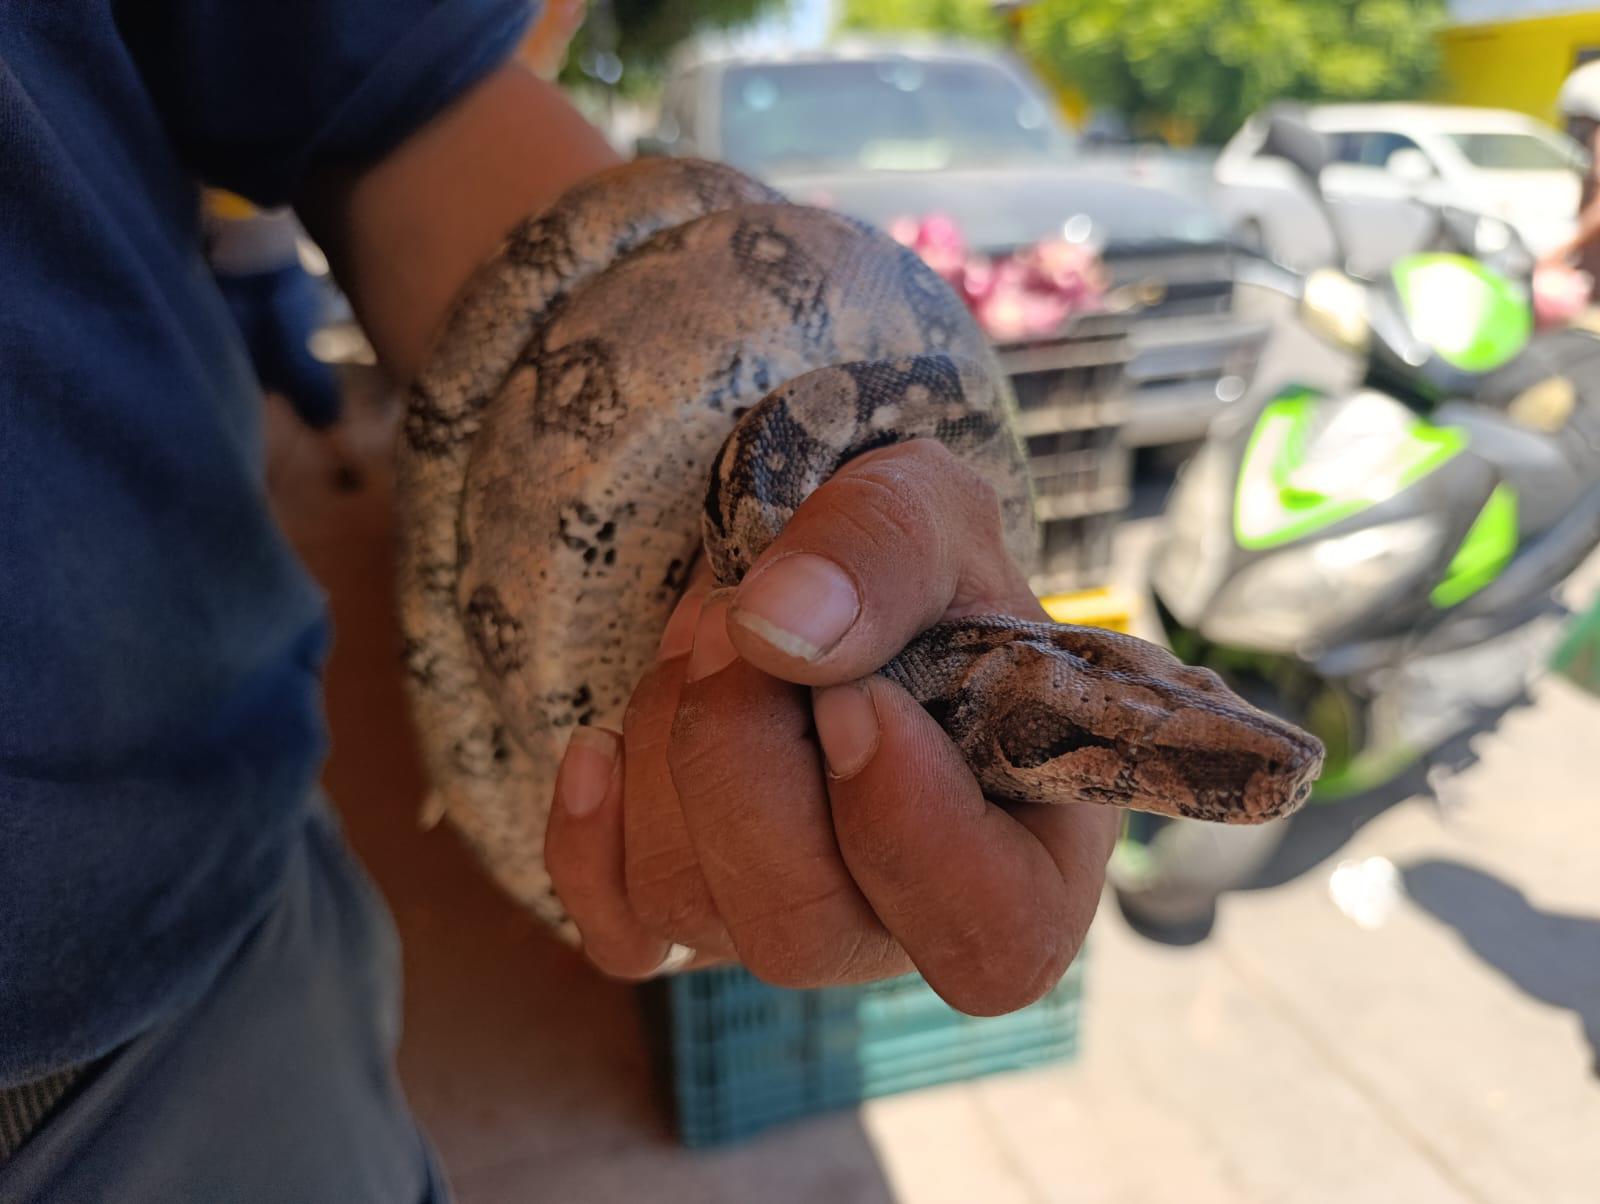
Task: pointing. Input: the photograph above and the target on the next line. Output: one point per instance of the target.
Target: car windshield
(1513, 152)
(885, 114)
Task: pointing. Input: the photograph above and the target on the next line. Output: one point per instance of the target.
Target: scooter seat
(1536, 465)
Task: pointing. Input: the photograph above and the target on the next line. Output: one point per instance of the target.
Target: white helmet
(1580, 95)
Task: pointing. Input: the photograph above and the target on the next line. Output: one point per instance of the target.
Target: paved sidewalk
(1422, 1042)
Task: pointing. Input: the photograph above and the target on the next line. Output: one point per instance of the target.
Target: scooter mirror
(1291, 139)
(1308, 151)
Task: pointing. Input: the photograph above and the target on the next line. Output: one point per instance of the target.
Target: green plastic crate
(1578, 657)
(738, 1055)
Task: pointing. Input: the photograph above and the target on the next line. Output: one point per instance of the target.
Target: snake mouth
(1282, 787)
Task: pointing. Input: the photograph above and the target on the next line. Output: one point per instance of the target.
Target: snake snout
(1289, 763)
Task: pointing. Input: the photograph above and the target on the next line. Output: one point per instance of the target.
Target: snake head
(1048, 713)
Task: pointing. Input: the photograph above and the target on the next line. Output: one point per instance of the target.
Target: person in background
(1579, 102)
(255, 256)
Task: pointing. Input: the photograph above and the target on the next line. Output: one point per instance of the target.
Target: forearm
(404, 235)
(1588, 232)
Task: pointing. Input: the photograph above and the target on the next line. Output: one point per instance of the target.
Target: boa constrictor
(554, 473)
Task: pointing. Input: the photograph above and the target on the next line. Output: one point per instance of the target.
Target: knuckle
(696, 762)
(983, 501)
(801, 945)
(628, 965)
(945, 476)
(669, 896)
(873, 839)
(558, 861)
(1008, 957)
(881, 513)
(647, 711)
(996, 985)
(930, 502)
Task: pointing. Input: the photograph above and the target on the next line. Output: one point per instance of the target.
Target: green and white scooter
(1378, 566)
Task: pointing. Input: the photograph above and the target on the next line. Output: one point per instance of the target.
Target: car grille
(1180, 285)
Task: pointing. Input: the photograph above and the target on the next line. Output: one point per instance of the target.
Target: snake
(660, 367)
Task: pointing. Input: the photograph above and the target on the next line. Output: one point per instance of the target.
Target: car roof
(845, 49)
(1431, 118)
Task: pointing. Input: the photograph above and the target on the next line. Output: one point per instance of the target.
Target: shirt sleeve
(257, 95)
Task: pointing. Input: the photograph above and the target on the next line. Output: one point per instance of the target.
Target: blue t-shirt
(160, 646)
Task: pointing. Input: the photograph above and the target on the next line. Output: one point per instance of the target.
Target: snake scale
(663, 365)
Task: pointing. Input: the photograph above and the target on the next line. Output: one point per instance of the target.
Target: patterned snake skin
(554, 486)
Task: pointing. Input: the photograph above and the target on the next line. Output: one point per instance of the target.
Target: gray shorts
(278, 1087)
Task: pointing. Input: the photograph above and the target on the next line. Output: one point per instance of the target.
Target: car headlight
(1335, 307)
(1282, 602)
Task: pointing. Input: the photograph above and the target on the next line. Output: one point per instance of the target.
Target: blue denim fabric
(277, 1086)
(160, 646)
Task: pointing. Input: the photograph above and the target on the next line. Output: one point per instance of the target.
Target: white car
(1488, 161)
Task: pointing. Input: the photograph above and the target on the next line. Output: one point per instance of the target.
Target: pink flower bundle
(1029, 293)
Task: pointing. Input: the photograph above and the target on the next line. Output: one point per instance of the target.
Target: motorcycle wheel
(1167, 885)
(1169, 873)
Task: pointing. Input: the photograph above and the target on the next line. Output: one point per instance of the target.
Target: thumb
(892, 543)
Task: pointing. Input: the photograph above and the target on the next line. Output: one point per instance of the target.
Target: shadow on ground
(1318, 833)
(1552, 956)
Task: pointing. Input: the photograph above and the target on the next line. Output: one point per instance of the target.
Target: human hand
(725, 828)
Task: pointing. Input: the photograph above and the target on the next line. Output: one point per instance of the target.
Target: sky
(800, 23)
(1476, 11)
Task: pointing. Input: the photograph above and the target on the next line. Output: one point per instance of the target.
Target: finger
(990, 907)
(666, 889)
(583, 853)
(753, 796)
(893, 542)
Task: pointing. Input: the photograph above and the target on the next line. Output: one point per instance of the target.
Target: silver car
(1387, 157)
(886, 129)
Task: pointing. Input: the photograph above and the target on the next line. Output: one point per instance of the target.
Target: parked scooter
(1377, 566)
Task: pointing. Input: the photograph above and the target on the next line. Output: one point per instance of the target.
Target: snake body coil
(671, 321)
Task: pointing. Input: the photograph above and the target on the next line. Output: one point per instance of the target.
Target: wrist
(405, 234)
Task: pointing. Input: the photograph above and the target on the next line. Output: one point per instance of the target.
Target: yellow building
(1514, 54)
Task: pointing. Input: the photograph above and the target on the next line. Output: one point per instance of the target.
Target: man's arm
(876, 852)
(404, 235)
(1588, 231)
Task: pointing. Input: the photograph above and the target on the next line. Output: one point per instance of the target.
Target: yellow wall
(1516, 64)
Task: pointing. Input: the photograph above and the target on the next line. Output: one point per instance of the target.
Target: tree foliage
(1208, 64)
(642, 34)
(967, 18)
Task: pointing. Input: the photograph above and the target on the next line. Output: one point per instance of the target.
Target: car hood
(1531, 194)
(1001, 207)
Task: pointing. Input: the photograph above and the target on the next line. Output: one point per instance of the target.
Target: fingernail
(802, 605)
(587, 769)
(678, 638)
(677, 957)
(713, 651)
(847, 725)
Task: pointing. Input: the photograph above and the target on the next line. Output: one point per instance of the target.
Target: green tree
(627, 42)
(1207, 63)
(1211, 63)
(968, 18)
